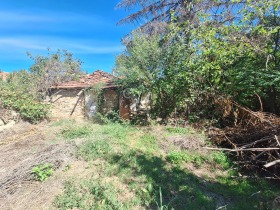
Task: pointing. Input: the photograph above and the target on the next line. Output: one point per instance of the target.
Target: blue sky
(87, 28)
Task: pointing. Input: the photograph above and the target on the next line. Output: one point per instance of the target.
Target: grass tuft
(72, 132)
(92, 150)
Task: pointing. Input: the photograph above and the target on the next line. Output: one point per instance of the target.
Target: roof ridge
(87, 80)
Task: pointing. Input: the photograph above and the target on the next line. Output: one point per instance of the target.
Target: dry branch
(237, 150)
(254, 137)
(271, 163)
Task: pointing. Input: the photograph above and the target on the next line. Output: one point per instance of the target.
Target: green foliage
(221, 159)
(178, 157)
(198, 160)
(53, 69)
(16, 95)
(42, 172)
(148, 140)
(25, 91)
(196, 63)
(109, 117)
(113, 117)
(152, 65)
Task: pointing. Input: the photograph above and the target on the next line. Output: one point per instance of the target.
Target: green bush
(26, 105)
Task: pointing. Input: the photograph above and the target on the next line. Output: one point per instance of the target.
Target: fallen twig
(276, 137)
(255, 142)
(272, 163)
(236, 150)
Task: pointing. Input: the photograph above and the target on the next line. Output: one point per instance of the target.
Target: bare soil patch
(192, 143)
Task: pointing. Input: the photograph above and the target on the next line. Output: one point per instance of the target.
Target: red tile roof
(89, 80)
(4, 75)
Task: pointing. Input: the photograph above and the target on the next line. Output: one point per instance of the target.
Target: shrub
(25, 104)
(42, 172)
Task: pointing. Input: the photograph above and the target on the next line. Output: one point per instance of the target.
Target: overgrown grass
(92, 150)
(93, 194)
(72, 132)
(217, 158)
(178, 157)
(135, 172)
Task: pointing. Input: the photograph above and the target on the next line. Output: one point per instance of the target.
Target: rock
(15, 116)
(11, 123)
(8, 115)
(2, 122)
(7, 126)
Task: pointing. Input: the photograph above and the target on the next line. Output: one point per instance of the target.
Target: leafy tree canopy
(232, 54)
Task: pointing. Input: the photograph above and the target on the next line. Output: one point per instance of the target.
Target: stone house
(79, 99)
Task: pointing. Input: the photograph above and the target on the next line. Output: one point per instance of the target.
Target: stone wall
(8, 118)
(65, 102)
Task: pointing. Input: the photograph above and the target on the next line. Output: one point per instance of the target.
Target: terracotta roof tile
(89, 80)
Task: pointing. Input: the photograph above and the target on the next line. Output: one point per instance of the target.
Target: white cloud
(16, 17)
(11, 44)
(35, 44)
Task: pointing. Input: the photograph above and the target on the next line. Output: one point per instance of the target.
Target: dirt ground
(21, 148)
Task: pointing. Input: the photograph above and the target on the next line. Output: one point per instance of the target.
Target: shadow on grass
(181, 189)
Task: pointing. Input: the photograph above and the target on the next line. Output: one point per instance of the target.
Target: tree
(153, 16)
(241, 59)
(54, 69)
(150, 64)
(25, 90)
(234, 54)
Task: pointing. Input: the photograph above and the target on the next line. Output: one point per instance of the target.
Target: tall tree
(228, 52)
(53, 69)
(153, 15)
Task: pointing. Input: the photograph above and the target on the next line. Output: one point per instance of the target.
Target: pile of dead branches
(15, 181)
(253, 140)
